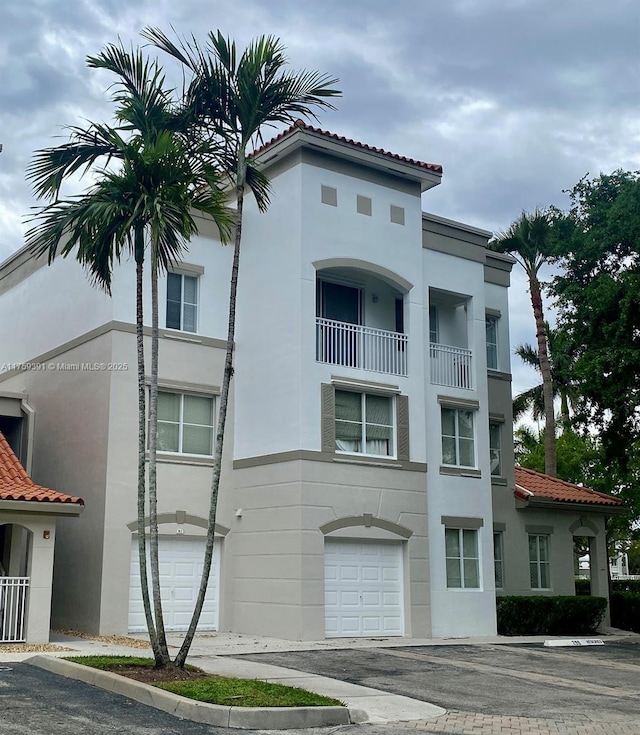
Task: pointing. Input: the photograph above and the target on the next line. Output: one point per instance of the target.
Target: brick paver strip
(469, 723)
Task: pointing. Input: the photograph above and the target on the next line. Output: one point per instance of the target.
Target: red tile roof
(301, 125)
(15, 483)
(534, 484)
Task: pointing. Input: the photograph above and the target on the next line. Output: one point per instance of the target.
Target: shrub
(553, 615)
(583, 586)
(625, 610)
(625, 585)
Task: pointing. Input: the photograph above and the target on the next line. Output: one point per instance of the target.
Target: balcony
(357, 346)
(13, 600)
(450, 366)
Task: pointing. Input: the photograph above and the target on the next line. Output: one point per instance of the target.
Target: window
(491, 326)
(185, 423)
(364, 423)
(462, 560)
(539, 567)
(498, 558)
(457, 437)
(494, 449)
(434, 336)
(182, 302)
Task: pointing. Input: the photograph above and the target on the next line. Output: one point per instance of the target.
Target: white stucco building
(368, 479)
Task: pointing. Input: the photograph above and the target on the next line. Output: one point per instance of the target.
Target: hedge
(583, 586)
(625, 610)
(553, 615)
(625, 585)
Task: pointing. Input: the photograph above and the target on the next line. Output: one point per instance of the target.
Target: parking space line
(515, 673)
(617, 665)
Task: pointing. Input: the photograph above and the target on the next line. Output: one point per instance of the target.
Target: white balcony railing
(450, 366)
(352, 345)
(13, 605)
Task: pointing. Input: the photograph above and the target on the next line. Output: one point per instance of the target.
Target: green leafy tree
(599, 299)
(149, 179)
(578, 456)
(531, 241)
(236, 96)
(598, 295)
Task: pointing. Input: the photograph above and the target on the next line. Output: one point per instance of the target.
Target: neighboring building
(368, 471)
(28, 515)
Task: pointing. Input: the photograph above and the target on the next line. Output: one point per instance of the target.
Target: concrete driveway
(489, 687)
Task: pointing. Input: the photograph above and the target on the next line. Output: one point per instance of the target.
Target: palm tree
(564, 388)
(530, 241)
(148, 183)
(237, 96)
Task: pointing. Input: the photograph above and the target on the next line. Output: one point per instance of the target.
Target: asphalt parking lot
(36, 702)
(589, 685)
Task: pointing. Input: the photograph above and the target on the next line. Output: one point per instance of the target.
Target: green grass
(217, 689)
(247, 693)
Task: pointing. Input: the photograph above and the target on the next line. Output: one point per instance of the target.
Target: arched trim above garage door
(367, 520)
(181, 518)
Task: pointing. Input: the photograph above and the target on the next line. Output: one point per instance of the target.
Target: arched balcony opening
(360, 319)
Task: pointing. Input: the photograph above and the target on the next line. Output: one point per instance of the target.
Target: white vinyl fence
(13, 605)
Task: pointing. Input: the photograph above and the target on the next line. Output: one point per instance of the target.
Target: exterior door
(340, 309)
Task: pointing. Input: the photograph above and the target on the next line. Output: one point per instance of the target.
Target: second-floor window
(182, 302)
(185, 423)
(364, 423)
(491, 326)
(458, 445)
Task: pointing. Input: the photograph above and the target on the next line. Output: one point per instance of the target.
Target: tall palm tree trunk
(142, 418)
(163, 659)
(222, 420)
(547, 383)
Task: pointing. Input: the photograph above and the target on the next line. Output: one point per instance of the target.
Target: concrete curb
(249, 718)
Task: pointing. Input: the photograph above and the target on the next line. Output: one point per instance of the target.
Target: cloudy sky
(517, 99)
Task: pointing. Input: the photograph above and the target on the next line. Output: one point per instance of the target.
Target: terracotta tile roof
(15, 483)
(534, 484)
(301, 125)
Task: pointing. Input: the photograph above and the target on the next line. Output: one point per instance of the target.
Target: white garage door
(363, 589)
(180, 570)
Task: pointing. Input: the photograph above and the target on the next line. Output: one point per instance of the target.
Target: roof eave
(42, 507)
(549, 503)
(304, 138)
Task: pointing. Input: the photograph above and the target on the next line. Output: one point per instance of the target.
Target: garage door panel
(371, 574)
(331, 598)
(372, 625)
(363, 588)
(349, 599)
(181, 563)
(371, 599)
(349, 572)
